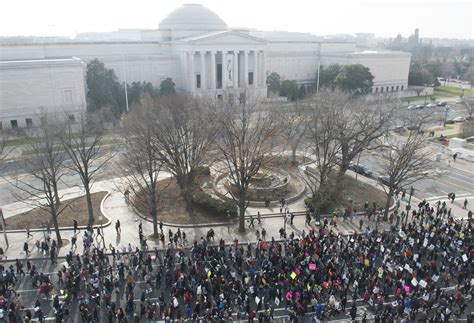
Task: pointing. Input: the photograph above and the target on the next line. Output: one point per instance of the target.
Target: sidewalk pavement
(115, 209)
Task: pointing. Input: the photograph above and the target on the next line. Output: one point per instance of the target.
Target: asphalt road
(442, 180)
(30, 294)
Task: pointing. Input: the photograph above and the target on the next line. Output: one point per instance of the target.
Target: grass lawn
(447, 127)
(451, 91)
(77, 210)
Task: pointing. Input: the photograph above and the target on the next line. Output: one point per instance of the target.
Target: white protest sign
(423, 283)
(414, 282)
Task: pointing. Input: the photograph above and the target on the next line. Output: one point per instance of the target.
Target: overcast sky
(387, 18)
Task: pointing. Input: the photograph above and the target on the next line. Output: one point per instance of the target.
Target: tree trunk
(242, 212)
(54, 218)
(387, 204)
(185, 183)
(154, 213)
(56, 194)
(90, 210)
(293, 154)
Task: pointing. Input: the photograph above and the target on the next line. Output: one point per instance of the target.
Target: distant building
(195, 48)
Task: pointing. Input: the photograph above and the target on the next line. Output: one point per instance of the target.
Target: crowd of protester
(421, 271)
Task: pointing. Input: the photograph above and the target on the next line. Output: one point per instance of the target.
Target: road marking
(446, 197)
(451, 183)
(461, 180)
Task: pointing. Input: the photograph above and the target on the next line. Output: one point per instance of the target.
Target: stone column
(223, 76)
(255, 68)
(192, 74)
(264, 70)
(213, 70)
(185, 70)
(236, 69)
(246, 68)
(203, 70)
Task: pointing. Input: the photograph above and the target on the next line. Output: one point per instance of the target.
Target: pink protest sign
(312, 266)
(406, 288)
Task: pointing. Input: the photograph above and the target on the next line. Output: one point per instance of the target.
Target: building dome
(192, 17)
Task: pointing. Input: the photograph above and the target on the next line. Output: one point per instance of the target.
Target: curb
(189, 246)
(72, 228)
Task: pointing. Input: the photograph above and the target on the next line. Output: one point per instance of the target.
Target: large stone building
(194, 47)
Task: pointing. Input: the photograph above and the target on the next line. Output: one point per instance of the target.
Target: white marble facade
(195, 48)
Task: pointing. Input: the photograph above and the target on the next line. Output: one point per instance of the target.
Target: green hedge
(207, 203)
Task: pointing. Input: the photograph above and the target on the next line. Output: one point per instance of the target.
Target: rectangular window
(250, 78)
(376, 90)
(14, 124)
(72, 118)
(387, 88)
(231, 99)
(68, 96)
(402, 87)
(29, 122)
(392, 88)
(219, 97)
(198, 81)
(381, 89)
(397, 88)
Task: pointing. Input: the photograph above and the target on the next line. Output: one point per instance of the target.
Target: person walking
(259, 218)
(28, 233)
(292, 216)
(161, 227)
(25, 249)
(75, 228)
(117, 227)
(465, 203)
(264, 233)
(455, 156)
(308, 219)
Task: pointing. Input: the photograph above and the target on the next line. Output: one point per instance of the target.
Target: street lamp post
(412, 191)
(445, 116)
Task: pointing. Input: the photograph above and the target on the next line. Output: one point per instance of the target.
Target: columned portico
(264, 71)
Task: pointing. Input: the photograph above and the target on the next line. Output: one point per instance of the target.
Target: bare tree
(184, 134)
(469, 103)
(358, 123)
(82, 145)
(295, 126)
(406, 163)
(140, 161)
(467, 129)
(323, 146)
(46, 167)
(245, 141)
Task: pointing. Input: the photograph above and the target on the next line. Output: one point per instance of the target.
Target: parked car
(384, 179)
(442, 104)
(361, 169)
(411, 107)
(431, 105)
(399, 129)
(449, 121)
(459, 119)
(419, 106)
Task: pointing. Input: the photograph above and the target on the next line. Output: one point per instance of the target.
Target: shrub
(207, 203)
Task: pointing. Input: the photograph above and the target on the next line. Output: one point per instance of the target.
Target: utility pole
(2, 220)
(445, 116)
(125, 84)
(319, 69)
(412, 191)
